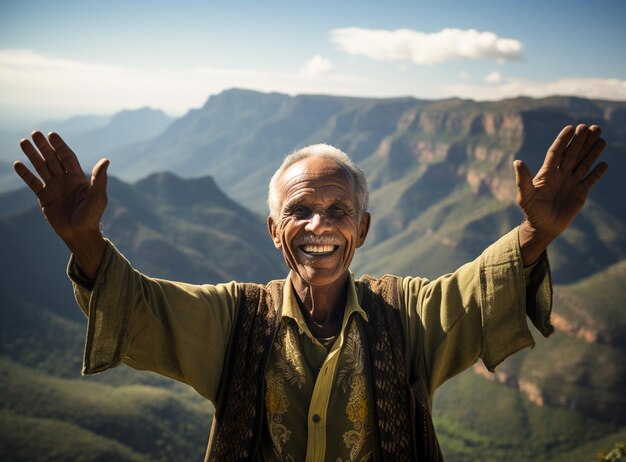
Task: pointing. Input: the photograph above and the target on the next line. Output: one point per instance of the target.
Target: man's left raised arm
(552, 199)
(480, 310)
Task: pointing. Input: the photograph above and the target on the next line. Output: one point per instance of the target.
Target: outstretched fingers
(34, 183)
(594, 135)
(67, 157)
(575, 148)
(587, 183)
(49, 154)
(589, 158)
(35, 159)
(556, 150)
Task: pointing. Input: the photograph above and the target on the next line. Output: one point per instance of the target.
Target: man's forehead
(316, 169)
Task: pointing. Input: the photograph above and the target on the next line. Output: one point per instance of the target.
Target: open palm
(552, 199)
(72, 204)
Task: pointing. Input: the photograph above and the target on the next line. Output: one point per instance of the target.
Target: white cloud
(493, 77)
(593, 88)
(424, 48)
(464, 75)
(317, 66)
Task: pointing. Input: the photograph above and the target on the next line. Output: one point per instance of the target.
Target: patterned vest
(402, 427)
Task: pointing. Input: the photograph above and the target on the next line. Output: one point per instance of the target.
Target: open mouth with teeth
(318, 250)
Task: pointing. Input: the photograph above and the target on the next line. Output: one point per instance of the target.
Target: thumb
(524, 182)
(99, 177)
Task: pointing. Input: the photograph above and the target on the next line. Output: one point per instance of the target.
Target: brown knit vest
(402, 427)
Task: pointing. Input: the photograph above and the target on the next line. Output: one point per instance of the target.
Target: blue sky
(68, 57)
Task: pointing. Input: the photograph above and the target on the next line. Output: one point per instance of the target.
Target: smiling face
(318, 229)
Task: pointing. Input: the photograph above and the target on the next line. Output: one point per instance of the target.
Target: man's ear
(271, 228)
(364, 227)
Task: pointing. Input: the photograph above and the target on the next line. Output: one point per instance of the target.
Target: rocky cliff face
(482, 143)
(579, 330)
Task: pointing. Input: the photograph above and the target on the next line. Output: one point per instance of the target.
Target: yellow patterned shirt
(315, 397)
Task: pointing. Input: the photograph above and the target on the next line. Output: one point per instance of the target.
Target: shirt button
(316, 418)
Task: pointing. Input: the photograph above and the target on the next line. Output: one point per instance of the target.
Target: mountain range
(442, 189)
(440, 172)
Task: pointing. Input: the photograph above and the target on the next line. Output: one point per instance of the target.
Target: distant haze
(99, 58)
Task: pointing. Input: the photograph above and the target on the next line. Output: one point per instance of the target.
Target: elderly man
(319, 366)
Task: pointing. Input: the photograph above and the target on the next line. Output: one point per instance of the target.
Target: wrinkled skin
(318, 232)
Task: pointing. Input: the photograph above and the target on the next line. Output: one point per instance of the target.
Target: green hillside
(133, 422)
(480, 420)
(49, 412)
(596, 305)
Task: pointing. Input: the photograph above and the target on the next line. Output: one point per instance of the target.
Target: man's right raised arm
(72, 204)
(178, 330)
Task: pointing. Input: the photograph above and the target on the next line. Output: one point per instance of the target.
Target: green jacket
(184, 331)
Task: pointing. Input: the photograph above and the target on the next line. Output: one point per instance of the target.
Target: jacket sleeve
(175, 329)
(479, 311)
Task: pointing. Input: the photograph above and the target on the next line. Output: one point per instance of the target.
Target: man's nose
(318, 224)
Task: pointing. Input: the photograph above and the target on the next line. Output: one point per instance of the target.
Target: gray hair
(320, 150)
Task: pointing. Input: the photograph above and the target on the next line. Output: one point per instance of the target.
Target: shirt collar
(291, 309)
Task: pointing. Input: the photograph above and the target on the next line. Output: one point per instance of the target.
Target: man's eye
(299, 211)
(337, 211)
